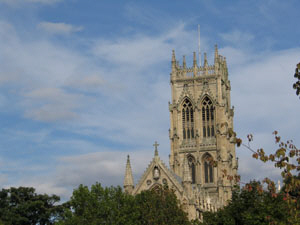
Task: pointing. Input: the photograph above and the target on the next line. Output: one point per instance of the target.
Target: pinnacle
(128, 179)
(173, 56)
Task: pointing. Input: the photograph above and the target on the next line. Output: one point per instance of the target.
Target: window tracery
(192, 165)
(187, 120)
(208, 169)
(208, 116)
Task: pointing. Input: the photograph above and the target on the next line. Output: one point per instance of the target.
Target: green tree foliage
(250, 205)
(99, 205)
(22, 206)
(159, 206)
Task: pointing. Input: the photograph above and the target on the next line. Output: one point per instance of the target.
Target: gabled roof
(164, 173)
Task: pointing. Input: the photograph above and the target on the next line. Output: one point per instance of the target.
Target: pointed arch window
(208, 117)
(187, 120)
(192, 165)
(208, 169)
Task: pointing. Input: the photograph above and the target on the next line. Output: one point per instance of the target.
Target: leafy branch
(286, 158)
(296, 85)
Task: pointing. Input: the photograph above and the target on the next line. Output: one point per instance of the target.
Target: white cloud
(50, 104)
(128, 101)
(89, 83)
(36, 73)
(263, 88)
(142, 51)
(234, 56)
(107, 168)
(252, 169)
(237, 37)
(264, 101)
(3, 178)
(59, 28)
(51, 113)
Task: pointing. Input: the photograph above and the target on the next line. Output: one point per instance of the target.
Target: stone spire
(173, 56)
(216, 55)
(205, 61)
(173, 61)
(184, 62)
(195, 65)
(128, 179)
(205, 64)
(195, 60)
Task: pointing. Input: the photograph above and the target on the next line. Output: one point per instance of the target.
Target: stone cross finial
(156, 145)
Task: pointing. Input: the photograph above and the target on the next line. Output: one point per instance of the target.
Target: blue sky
(84, 83)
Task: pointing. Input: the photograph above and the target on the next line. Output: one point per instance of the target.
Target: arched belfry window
(187, 120)
(208, 117)
(192, 165)
(208, 169)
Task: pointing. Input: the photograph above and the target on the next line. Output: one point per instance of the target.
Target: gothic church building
(202, 151)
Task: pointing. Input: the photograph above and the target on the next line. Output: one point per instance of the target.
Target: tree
(99, 205)
(160, 206)
(252, 204)
(111, 205)
(22, 206)
(296, 85)
(287, 158)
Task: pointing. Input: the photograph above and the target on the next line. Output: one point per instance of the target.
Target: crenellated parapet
(182, 72)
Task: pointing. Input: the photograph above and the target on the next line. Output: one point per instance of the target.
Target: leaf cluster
(287, 158)
(109, 205)
(296, 85)
(22, 206)
(250, 205)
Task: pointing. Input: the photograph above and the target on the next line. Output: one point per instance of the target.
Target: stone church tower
(201, 136)
(201, 117)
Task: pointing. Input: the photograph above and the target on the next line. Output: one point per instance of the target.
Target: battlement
(182, 71)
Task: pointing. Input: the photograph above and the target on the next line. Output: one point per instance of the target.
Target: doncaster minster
(201, 117)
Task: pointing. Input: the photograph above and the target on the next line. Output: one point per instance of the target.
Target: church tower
(201, 130)
(202, 159)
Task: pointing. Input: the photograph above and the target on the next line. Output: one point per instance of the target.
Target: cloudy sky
(84, 83)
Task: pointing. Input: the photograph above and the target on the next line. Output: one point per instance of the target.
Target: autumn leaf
(255, 155)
